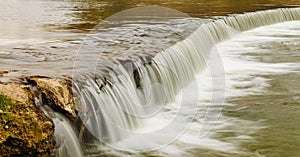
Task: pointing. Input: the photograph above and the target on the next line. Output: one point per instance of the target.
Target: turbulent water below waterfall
(173, 105)
(185, 115)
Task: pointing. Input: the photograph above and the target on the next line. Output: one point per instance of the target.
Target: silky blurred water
(42, 37)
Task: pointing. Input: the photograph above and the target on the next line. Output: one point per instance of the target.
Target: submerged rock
(24, 130)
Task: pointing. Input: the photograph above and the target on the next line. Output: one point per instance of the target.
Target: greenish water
(279, 107)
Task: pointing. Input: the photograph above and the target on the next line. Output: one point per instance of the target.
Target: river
(260, 116)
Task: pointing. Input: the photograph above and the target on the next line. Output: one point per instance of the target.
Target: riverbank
(25, 131)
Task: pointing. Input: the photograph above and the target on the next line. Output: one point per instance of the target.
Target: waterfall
(113, 107)
(252, 20)
(67, 143)
(243, 22)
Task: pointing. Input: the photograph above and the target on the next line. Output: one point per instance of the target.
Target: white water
(174, 101)
(67, 143)
(243, 72)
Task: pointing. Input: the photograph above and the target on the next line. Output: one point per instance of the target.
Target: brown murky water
(42, 34)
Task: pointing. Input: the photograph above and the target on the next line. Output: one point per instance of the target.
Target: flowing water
(173, 105)
(43, 34)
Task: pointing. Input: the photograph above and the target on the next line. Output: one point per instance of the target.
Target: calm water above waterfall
(42, 34)
(169, 103)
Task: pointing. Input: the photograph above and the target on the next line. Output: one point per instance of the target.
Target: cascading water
(66, 139)
(113, 108)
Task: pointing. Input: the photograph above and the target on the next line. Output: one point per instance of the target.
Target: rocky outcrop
(24, 130)
(57, 93)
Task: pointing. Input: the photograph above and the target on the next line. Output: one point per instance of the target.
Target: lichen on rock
(24, 130)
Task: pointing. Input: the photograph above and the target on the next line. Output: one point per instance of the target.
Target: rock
(57, 93)
(15, 92)
(24, 130)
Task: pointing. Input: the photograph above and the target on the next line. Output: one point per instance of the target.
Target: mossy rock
(24, 131)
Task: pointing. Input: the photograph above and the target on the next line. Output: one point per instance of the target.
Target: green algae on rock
(23, 129)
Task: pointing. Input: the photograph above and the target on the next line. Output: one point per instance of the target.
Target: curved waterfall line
(252, 20)
(111, 110)
(219, 29)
